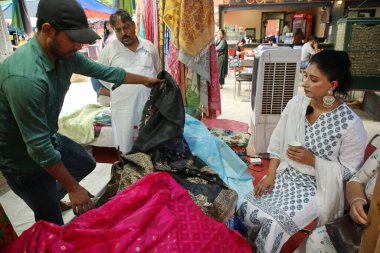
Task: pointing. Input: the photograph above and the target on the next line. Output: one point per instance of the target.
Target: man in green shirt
(33, 83)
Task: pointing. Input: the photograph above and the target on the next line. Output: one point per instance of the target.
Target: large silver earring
(328, 100)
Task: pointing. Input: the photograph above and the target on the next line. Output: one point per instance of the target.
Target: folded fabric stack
(102, 119)
(236, 140)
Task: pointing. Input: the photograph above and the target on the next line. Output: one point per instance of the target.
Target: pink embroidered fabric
(153, 215)
(173, 63)
(214, 102)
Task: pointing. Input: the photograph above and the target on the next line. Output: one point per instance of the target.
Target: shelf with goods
(359, 38)
(234, 37)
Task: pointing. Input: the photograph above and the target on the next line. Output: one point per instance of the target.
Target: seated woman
(239, 49)
(359, 190)
(305, 180)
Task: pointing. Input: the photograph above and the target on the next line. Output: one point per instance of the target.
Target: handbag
(345, 234)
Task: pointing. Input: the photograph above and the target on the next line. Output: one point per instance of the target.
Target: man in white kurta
(135, 55)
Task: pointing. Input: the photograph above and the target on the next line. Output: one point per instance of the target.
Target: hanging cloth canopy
(20, 17)
(93, 8)
(126, 5)
(90, 14)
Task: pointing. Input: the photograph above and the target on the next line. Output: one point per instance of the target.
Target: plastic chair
(242, 77)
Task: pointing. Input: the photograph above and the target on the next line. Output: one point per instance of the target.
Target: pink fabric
(227, 124)
(214, 104)
(174, 66)
(155, 21)
(148, 21)
(153, 215)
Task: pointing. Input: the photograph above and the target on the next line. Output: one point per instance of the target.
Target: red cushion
(296, 239)
(368, 151)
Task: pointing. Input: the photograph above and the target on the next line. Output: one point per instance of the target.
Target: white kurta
(303, 193)
(127, 101)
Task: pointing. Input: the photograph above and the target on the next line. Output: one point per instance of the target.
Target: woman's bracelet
(357, 199)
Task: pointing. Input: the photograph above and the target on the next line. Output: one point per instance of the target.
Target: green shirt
(32, 90)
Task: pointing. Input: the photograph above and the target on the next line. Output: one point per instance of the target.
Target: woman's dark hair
(223, 32)
(336, 66)
(106, 31)
(242, 40)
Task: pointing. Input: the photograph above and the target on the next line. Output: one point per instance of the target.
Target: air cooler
(274, 83)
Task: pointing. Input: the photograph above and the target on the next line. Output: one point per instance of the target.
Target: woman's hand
(266, 184)
(357, 212)
(301, 155)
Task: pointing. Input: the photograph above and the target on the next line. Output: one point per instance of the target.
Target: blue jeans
(40, 191)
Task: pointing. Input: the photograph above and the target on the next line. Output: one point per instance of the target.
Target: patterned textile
(293, 204)
(161, 32)
(173, 65)
(231, 138)
(196, 27)
(196, 113)
(237, 141)
(156, 22)
(201, 66)
(214, 101)
(153, 215)
(191, 24)
(235, 224)
(216, 154)
(204, 96)
(7, 233)
(149, 20)
(319, 241)
(274, 218)
(171, 18)
(160, 136)
(204, 186)
(192, 91)
(166, 45)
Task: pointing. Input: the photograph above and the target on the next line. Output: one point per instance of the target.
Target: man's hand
(80, 200)
(152, 81)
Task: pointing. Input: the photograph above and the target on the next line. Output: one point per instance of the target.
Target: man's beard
(55, 48)
(132, 40)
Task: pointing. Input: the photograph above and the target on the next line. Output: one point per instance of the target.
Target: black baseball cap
(67, 16)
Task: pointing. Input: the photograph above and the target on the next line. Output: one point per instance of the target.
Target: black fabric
(163, 117)
(161, 137)
(345, 234)
(237, 49)
(68, 16)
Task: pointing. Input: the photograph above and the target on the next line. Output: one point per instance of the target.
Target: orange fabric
(96, 14)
